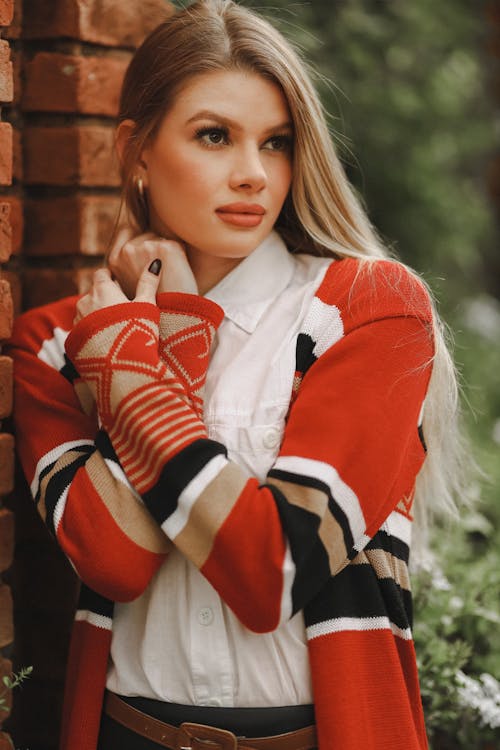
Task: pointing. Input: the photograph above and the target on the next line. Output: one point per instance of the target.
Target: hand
(130, 255)
(106, 292)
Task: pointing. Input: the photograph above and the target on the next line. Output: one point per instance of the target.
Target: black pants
(247, 722)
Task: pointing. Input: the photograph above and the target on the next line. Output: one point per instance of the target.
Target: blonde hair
(322, 214)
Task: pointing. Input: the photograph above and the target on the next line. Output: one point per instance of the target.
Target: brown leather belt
(191, 736)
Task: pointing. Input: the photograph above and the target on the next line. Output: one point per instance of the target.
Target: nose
(248, 171)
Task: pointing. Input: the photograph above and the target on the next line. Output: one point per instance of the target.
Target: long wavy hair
(322, 214)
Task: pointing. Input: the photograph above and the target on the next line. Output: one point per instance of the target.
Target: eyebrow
(206, 114)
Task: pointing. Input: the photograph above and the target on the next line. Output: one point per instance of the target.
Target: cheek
(181, 178)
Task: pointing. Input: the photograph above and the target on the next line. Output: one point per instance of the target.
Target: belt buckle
(202, 737)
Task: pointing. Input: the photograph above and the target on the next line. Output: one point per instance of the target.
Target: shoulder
(373, 289)
(49, 322)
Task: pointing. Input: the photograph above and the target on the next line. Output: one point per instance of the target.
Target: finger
(148, 282)
(102, 275)
(127, 238)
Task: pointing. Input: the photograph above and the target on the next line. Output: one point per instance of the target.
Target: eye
(213, 136)
(279, 143)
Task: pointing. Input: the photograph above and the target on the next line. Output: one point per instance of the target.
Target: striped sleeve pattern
(76, 480)
(350, 453)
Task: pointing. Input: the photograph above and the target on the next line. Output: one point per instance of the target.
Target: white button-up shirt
(179, 641)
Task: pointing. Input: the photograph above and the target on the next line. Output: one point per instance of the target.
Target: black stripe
(58, 483)
(304, 352)
(333, 506)
(383, 540)
(68, 370)
(421, 436)
(94, 602)
(308, 552)
(357, 592)
(105, 447)
(48, 469)
(161, 500)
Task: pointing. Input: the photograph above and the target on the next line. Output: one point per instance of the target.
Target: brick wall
(59, 199)
(6, 315)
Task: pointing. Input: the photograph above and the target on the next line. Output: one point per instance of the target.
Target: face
(220, 166)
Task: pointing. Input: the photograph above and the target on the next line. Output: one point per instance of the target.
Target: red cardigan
(329, 530)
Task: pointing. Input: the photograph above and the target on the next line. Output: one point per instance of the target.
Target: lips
(241, 214)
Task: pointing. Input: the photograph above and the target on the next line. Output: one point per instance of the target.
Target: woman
(235, 422)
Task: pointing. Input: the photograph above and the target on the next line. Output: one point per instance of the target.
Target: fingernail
(155, 267)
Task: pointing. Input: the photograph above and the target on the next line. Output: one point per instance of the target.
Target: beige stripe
(385, 565)
(63, 462)
(141, 482)
(124, 429)
(209, 513)
(313, 500)
(331, 534)
(330, 531)
(151, 449)
(129, 514)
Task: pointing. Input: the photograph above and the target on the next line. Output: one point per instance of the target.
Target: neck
(209, 270)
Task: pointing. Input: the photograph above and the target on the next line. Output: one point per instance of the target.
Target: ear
(123, 132)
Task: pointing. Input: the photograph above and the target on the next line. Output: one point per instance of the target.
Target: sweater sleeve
(350, 453)
(81, 492)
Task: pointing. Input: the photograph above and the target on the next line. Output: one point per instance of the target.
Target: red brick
(47, 285)
(99, 21)
(6, 73)
(13, 30)
(67, 83)
(6, 12)
(6, 372)
(5, 671)
(16, 224)
(6, 309)
(6, 625)
(14, 281)
(17, 61)
(79, 224)
(5, 232)
(5, 153)
(82, 155)
(6, 542)
(6, 463)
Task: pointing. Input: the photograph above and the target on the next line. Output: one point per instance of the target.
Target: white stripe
(289, 569)
(51, 457)
(176, 522)
(99, 621)
(52, 351)
(346, 624)
(421, 415)
(60, 506)
(398, 526)
(341, 492)
(324, 324)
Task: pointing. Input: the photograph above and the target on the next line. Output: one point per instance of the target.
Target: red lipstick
(241, 214)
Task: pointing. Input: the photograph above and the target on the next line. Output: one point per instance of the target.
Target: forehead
(237, 95)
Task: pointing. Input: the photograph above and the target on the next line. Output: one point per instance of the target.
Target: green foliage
(11, 682)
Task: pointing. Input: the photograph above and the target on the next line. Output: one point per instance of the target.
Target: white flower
(482, 695)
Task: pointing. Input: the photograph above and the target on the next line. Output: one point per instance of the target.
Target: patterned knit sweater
(122, 468)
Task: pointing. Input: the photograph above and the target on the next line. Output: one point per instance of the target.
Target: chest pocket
(253, 447)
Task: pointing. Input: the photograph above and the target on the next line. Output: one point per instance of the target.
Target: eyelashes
(218, 136)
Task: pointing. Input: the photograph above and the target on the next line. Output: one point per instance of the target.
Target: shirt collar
(249, 289)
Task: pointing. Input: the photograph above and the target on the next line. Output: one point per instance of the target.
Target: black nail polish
(155, 267)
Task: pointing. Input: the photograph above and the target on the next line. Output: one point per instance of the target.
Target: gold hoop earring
(140, 187)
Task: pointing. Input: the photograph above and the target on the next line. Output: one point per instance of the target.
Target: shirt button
(271, 437)
(205, 616)
(214, 702)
